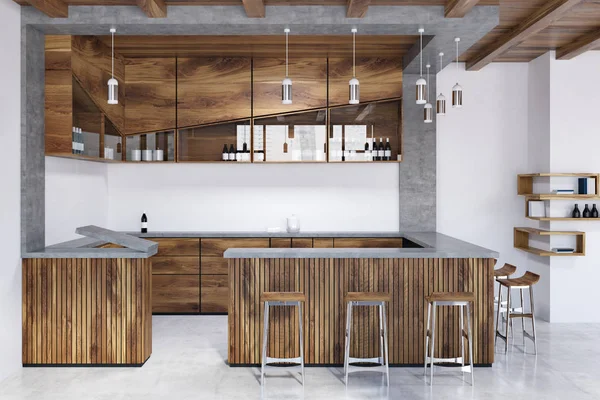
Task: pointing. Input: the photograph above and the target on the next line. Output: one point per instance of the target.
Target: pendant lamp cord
(457, 58)
(428, 83)
(421, 55)
(112, 55)
(286, 54)
(354, 54)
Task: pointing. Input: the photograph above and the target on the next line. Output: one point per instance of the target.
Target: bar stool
(367, 299)
(524, 282)
(285, 299)
(503, 273)
(460, 299)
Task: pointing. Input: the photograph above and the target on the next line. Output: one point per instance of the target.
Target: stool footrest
(294, 360)
(372, 360)
(520, 315)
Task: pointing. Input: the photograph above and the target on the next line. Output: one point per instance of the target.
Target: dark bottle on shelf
(388, 150)
(586, 212)
(381, 150)
(144, 223)
(231, 153)
(594, 211)
(225, 156)
(576, 213)
(73, 141)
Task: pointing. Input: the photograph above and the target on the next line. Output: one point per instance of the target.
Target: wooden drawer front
(368, 242)
(299, 243)
(175, 293)
(322, 243)
(176, 265)
(178, 247)
(216, 247)
(281, 243)
(215, 294)
(213, 266)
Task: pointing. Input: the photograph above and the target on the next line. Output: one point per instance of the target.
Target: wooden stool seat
(450, 296)
(506, 270)
(528, 279)
(367, 296)
(283, 296)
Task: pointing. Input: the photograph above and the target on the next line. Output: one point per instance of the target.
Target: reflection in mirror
(297, 143)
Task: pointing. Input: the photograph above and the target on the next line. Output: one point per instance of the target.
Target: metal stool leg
(498, 316)
(532, 318)
(427, 339)
(301, 340)
(348, 330)
(265, 340)
(508, 321)
(470, 339)
(379, 308)
(522, 318)
(385, 345)
(433, 323)
(462, 337)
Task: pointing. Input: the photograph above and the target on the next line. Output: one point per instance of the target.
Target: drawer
(302, 243)
(216, 247)
(214, 266)
(175, 293)
(178, 247)
(215, 294)
(281, 243)
(323, 243)
(176, 265)
(368, 242)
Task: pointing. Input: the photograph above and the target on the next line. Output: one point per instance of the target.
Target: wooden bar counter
(88, 306)
(443, 264)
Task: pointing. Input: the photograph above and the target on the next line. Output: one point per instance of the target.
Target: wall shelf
(522, 235)
(553, 196)
(562, 219)
(525, 186)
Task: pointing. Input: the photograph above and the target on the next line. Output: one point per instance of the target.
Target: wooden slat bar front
(325, 283)
(94, 311)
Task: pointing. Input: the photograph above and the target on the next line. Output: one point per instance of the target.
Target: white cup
(136, 155)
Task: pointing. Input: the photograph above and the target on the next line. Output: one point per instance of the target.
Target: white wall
(10, 182)
(76, 195)
(575, 100)
(254, 197)
(480, 150)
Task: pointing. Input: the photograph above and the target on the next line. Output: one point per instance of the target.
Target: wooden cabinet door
(215, 294)
(177, 247)
(175, 265)
(322, 243)
(216, 247)
(302, 243)
(175, 293)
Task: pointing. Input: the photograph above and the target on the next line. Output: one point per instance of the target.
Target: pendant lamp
(457, 91)
(441, 99)
(113, 84)
(286, 85)
(354, 86)
(421, 83)
(428, 110)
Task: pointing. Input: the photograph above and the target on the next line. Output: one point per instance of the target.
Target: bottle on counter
(594, 211)
(73, 141)
(225, 155)
(367, 151)
(144, 223)
(388, 150)
(576, 213)
(586, 212)
(231, 153)
(380, 151)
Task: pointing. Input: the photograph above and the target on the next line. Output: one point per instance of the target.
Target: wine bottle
(586, 212)
(231, 153)
(73, 143)
(576, 213)
(81, 143)
(388, 150)
(381, 150)
(594, 211)
(225, 155)
(367, 151)
(144, 223)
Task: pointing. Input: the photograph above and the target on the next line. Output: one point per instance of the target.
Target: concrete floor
(189, 354)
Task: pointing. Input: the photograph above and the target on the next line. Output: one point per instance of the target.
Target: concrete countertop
(435, 245)
(262, 234)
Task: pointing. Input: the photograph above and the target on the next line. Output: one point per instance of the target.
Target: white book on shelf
(537, 209)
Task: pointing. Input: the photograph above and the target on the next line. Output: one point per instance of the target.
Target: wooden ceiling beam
(357, 8)
(52, 8)
(579, 46)
(539, 20)
(254, 8)
(459, 8)
(153, 8)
